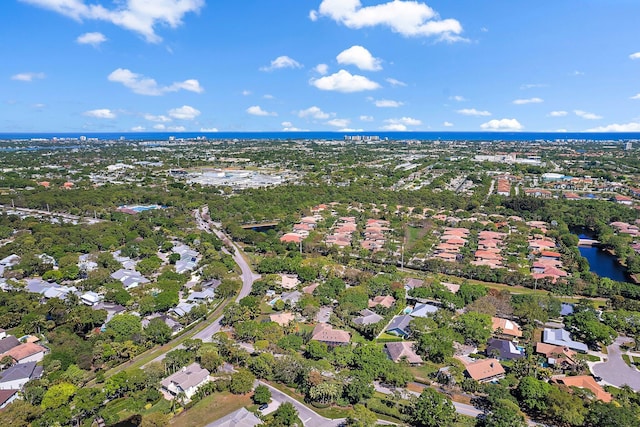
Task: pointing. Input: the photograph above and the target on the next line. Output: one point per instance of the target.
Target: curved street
(248, 276)
(615, 370)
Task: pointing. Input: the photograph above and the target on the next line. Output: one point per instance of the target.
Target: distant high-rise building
(628, 146)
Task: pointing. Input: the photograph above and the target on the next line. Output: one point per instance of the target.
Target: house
(8, 343)
(289, 281)
(129, 278)
(325, 333)
(182, 309)
(291, 297)
(557, 355)
(562, 338)
(28, 352)
(413, 283)
(282, 319)
(503, 350)
(10, 261)
(86, 264)
(386, 301)
(505, 327)
(399, 351)
(7, 396)
(309, 289)
(485, 370)
(205, 295)
(239, 418)
(91, 298)
(175, 326)
(291, 238)
(589, 383)
(367, 317)
(399, 325)
(622, 200)
(111, 309)
(423, 310)
(187, 381)
(18, 375)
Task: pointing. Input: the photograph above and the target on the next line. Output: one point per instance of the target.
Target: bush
(379, 407)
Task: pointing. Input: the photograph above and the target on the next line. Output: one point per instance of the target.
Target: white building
(187, 381)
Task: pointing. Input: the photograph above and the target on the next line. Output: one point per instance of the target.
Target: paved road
(461, 408)
(615, 371)
(69, 217)
(308, 417)
(248, 276)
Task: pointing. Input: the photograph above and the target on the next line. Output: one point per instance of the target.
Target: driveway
(615, 371)
(308, 417)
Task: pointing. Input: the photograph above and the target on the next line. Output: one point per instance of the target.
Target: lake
(601, 262)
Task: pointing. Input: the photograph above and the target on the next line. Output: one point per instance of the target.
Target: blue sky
(271, 65)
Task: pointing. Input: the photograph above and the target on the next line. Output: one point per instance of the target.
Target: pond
(601, 262)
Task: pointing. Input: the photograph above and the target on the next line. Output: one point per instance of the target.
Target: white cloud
(395, 82)
(139, 16)
(360, 57)
(176, 128)
(366, 118)
(184, 113)
(586, 115)
(321, 69)
(502, 124)
(558, 114)
(577, 73)
(256, 110)
(395, 127)
(635, 55)
(473, 112)
(447, 124)
(407, 121)
(158, 119)
(314, 112)
(636, 96)
(409, 18)
(208, 129)
(344, 81)
(246, 92)
(457, 98)
(387, 103)
(528, 101)
(350, 130)
(282, 62)
(93, 39)
(269, 96)
(102, 113)
(627, 127)
(159, 127)
(289, 127)
(533, 85)
(27, 77)
(138, 129)
(147, 86)
(339, 123)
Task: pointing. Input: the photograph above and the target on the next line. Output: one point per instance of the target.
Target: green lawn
(592, 358)
(332, 412)
(210, 409)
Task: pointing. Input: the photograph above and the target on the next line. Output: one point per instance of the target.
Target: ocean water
(392, 136)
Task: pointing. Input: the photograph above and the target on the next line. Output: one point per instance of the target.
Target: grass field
(211, 408)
